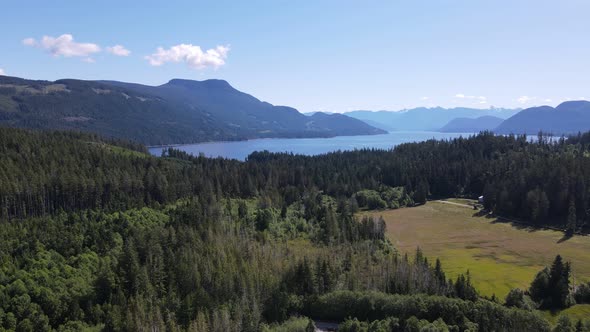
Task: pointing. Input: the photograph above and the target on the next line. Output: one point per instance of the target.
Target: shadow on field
(564, 238)
(481, 213)
(523, 226)
(529, 227)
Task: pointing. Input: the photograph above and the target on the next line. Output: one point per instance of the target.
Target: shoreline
(259, 139)
(240, 150)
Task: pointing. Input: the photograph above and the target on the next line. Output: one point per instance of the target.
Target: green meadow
(499, 255)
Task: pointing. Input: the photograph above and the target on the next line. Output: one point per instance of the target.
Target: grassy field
(579, 311)
(498, 255)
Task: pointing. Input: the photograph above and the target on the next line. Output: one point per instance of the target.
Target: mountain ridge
(569, 117)
(177, 112)
(469, 125)
(424, 118)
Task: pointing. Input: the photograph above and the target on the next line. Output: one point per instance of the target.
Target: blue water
(307, 146)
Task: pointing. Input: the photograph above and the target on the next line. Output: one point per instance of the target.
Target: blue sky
(316, 55)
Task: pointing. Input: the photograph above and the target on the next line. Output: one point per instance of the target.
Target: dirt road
(453, 203)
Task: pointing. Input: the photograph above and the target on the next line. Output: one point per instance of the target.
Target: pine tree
(571, 219)
(439, 273)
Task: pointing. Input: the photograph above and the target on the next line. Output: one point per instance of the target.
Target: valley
(295, 166)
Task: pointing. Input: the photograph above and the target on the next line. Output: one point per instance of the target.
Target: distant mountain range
(186, 111)
(180, 111)
(568, 118)
(468, 125)
(422, 118)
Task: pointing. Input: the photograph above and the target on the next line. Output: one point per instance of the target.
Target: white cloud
(89, 60)
(118, 50)
(525, 99)
(424, 98)
(572, 99)
(2, 73)
(190, 54)
(63, 45)
(476, 99)
(548, 100)
(29, 42)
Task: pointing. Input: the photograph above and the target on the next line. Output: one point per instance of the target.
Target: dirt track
(453, 203)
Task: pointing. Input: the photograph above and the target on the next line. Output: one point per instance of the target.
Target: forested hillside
(567, 118)
(180, 111)
(97, 234)
(546, 182)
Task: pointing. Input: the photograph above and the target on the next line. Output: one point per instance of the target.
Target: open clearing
(499, 256)
(579, 311)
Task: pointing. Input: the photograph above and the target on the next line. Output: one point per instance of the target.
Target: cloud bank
(63, 45)
(2, 73)
(192, 55)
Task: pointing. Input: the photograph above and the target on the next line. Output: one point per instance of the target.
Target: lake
(307, 146)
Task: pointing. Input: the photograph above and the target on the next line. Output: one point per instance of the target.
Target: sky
(332, 56)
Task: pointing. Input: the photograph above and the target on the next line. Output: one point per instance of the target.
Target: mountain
(467, 125)
(385, 120)
(423, 118)
(342, 124)
(312, 113)
(180, 111)
(371, 123)
(567, 118)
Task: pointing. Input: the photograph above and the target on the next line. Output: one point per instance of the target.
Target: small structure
(480, 199)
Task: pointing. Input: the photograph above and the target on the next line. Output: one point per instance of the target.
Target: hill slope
(341, 123)
(467, 125)
(567, 118)
(180, 111)
(423, 118)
